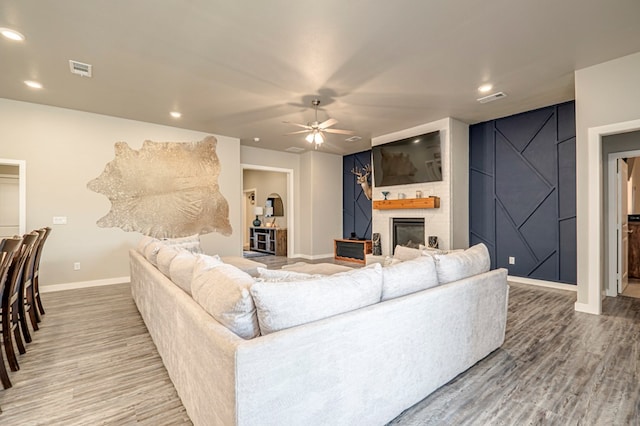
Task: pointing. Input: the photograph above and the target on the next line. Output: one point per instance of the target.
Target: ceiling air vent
(295, 149)
(353, 139)
(491, 98)
(80, 68)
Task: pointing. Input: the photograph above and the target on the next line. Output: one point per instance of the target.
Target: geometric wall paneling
(519, 186)
(481, 152)
(547, 269)
(520, 129)
(567, 177)
(509, 242)
(522, 192)
(541, 235)
(482, 222)
(164, 189)
(567, 230)
(356, 207)
(566, 121)
(540, 156)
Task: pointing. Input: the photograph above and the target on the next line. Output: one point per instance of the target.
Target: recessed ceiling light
(485, 88)
(11, 34)
(256, 139)
(175, 114)
(33, 84)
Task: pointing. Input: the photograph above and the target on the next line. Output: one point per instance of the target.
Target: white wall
(450, 222)
(64, 149)
(606, 94)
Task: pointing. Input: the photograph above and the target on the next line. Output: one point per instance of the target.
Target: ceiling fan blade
(341, 132)
(299, 125)
(296, 133)
(327, 123)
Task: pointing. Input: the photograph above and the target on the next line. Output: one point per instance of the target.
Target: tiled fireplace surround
(449, 222)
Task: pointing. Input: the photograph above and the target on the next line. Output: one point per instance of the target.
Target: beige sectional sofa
(363, 366)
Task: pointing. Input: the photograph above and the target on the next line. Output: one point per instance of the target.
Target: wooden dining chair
(8, 249)
(44, 234)
(11, 299)
(26, 306)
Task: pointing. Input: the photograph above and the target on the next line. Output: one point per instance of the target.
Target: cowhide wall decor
(165, 189)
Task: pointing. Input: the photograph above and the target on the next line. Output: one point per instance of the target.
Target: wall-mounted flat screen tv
(411, 160)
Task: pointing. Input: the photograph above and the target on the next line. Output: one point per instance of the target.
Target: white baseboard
(587, 308)
(542, 283)
(84, 284)
(313, 257)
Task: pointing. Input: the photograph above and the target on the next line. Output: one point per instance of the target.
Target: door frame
(290, 196)
(611, 288)
(22, 191)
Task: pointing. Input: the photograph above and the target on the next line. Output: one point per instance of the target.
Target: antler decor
(363, 179)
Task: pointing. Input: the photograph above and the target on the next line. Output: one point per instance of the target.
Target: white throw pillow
(191, 243)
(223, 291)
(282, 305)
(181, 269)
(151, 252)
(462, 264)
(406, 253)
(143, 243)
(408, 277)
(164, 258)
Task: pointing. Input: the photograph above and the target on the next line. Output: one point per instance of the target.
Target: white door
(623, 226)
(9, 206)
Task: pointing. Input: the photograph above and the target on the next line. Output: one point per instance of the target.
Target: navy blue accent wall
(522, 192)
(356, 209)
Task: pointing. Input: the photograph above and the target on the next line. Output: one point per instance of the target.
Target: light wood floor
(93, 363)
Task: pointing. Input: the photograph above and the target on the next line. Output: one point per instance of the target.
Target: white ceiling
(241, 67)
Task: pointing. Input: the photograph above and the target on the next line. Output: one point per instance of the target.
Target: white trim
(84, 284)
(612, 288)
(542, 283)
(290, 198)
(592, 238)
(22, 189)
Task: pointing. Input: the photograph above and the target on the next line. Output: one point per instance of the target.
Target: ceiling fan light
(310, 137)
(318, 139)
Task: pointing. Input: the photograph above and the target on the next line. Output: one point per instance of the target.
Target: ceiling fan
(316, 129)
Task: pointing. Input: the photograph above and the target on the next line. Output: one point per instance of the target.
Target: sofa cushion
(181, 269)
(151, 251)
(408, 277)
(142, 244)
(406, 253)
(164, 258)
(462, 264)
(183, 265)
(282, 305)
(223, 291)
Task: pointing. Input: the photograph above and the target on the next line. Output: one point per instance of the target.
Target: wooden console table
(268, 240)
(352, 250)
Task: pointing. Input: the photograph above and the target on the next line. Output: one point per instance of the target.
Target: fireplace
(408, 232)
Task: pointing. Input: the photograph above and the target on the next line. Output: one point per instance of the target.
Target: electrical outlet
(76, 266)
(59, 220)
(512, 260)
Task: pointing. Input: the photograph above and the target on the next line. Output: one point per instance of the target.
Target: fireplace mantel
(408, 203)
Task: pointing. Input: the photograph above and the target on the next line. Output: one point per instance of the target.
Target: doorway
(623, 246)
(261, 194)
(12, 197)
(249, 197)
